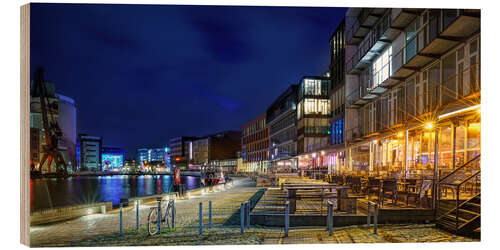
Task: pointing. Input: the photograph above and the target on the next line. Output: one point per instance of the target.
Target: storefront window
(446, 147)
(473, 139)
(460, 147)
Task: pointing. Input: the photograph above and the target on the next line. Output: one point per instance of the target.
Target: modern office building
(313, 115)
(335, 153)
(89, 150)
(412, 83)
(281, 118)
(151, 154)
(255, 145)
(112, 158)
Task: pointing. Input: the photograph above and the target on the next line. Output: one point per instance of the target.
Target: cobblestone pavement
(103, 230)
(225, 203)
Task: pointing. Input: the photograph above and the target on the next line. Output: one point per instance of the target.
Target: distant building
(67, 122)
(89, 151)
(181, 151)
(281, 118)
(223, 149)
(112, 158)
(313, 113)
(152, 154)
(200, 153)
(255, 145)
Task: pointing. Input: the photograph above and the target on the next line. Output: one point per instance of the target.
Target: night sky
(141, 74)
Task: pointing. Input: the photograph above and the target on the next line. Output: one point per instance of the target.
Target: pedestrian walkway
(103, 230)
(91, 226)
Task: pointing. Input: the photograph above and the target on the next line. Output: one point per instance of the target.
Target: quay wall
(52, 215)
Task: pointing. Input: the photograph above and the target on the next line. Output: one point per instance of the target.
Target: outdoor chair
(356, 184)
(372, 186)
(389, 189)
(412, 185)
(421, 192)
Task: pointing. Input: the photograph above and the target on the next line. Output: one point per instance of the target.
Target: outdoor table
(402, 184)
(342, 193)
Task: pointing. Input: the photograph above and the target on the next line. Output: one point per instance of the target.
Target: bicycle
(153, 218)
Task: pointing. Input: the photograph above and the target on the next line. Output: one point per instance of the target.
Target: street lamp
(429, 125)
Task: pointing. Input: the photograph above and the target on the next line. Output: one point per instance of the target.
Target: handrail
(459, 168)
(468, 178)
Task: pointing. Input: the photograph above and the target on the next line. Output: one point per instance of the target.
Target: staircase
(464, 220)
(461, 213)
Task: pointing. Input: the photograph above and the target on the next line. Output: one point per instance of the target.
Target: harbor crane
(52, 132)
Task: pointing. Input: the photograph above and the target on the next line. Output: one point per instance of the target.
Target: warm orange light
(177, 159)
(400, 134)
(429, 125)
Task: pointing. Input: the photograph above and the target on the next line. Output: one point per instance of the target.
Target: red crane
(50, 151)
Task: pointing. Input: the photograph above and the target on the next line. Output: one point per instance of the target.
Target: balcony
(366, 19)
(386, 30)
(444, 30)
(359, 97)
(382, 34)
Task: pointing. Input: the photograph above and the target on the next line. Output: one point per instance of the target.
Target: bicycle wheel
(153, 221)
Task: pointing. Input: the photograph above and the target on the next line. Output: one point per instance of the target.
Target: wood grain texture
(25, 123)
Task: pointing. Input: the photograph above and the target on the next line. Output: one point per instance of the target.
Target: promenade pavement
(103, 230)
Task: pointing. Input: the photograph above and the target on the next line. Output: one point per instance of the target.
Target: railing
(411, 47)
(371, 38)
(464, 183)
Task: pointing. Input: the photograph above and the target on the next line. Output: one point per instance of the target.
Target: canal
(54, 192)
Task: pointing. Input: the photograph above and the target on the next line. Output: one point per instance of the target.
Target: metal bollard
(368, 216)
(159, 215)
(287, 217)
(242, 218)
(375, 219)
(248, 214)
(136, 215)
(330, 218)
(201, 218)
(209, 214)
(121, 220)
(173, 213)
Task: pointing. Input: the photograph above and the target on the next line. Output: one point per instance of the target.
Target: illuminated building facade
(112, 158)
(412, 83)
(313, 114)
(255, 145)
(89, 148)
(152, 154)
(281, 118)
(335, 153)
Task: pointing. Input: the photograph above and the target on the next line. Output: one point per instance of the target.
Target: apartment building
(412, 89)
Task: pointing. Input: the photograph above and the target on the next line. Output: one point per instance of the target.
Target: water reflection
(47, 193)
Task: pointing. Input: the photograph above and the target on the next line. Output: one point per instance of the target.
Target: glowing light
(375, 141)
(478, 107)
(314, 155)
(429, 125)
(400, 134)
(322, 152)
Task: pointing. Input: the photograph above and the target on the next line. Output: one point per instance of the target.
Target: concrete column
(435, 175)
(406, 154)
